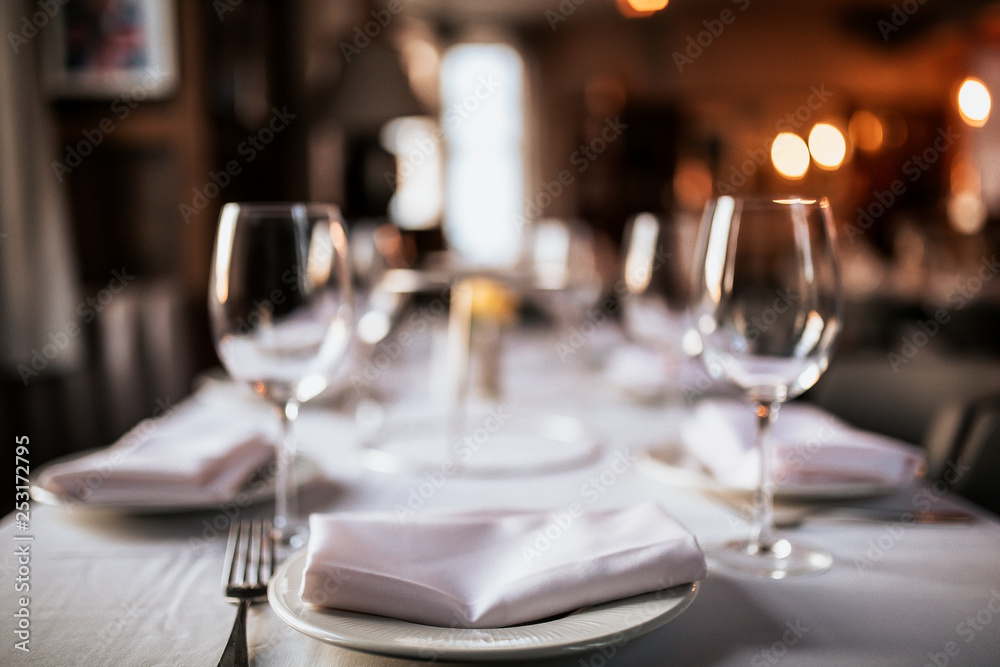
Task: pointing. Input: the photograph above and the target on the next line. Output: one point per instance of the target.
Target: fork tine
(254, 554)
(239, 577)
(230, 562)
(267, 552)
(250, 558)
(249, 564)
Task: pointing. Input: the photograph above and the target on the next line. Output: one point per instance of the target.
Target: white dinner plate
(584, 630)
(671, 464)
(258, 488)
(494, 442)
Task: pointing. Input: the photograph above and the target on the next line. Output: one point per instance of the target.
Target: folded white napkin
(486, 569)
(811, 447)
(201, 451)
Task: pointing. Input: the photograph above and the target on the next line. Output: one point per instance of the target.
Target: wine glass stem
(459, 357)
(285, 494)
(762, 531)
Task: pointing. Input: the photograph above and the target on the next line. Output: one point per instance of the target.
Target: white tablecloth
(125, 590)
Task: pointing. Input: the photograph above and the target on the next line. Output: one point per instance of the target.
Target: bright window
(482, 92)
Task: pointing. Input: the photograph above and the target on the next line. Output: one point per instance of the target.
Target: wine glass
(564, 264)
(280, 304)
(656, 272)
(768, 309)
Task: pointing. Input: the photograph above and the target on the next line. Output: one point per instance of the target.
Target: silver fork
(248, 567)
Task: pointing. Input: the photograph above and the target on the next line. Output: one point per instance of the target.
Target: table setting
(545, 515)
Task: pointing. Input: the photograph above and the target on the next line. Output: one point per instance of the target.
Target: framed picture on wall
(103, 49)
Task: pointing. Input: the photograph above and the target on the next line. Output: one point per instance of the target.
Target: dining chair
(143, 358)
(963, 449)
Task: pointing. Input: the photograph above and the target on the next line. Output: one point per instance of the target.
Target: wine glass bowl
(656, 272)
(280, 307)
(563, 262)
(768, 310)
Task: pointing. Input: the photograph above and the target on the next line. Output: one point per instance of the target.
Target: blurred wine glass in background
(564, 259)
(656, 270)
(376, 249)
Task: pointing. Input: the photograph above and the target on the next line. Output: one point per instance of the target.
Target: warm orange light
(967, 213)
(790, 155)
(965, 176)
(865, 130)
(693, 184)
(647, 5)
(894, 128)
(827, 146)
(638, 8)
(974, 102)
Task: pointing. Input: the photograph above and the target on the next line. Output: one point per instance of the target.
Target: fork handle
(236, 654)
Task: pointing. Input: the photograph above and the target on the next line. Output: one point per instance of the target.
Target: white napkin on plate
(494, 568)
(811, 446)
(201, 451)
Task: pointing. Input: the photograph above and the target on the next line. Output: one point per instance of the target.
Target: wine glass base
(781, 560)
(293, 534)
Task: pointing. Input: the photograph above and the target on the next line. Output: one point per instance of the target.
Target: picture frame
(105, 49)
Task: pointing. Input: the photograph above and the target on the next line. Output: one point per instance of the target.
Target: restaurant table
(118, 589)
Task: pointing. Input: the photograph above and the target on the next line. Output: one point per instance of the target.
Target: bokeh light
(640, 8)
(894, 129)
(827, 146)
(865, 130)
(790, 155)
(974, 102)
(647, 5)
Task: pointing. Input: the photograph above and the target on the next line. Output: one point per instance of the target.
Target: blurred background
(126, 124)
